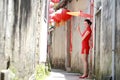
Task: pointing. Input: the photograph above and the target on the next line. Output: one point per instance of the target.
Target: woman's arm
(85, 35)
(78, 28)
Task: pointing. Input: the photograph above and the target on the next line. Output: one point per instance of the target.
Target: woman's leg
(85, 63)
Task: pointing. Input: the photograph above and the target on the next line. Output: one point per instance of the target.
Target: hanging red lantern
(50, 16)
(51, 4)
(65, 16)
(51, 13)
(51, 20)
(55, 1)
(58, 16)
(51, 10)
(55, 18)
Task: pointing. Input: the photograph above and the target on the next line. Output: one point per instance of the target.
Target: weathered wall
(76, 63)
(43, 31)
(61, 39)
(59, 47)
(103, 45)
(117, 40)
(20, 34)
(97, 37)
(97, 43)
(2, 35)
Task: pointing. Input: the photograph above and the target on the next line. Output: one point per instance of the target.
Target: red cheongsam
(85, 42)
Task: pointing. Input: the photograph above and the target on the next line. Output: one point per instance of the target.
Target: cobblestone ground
(62, 75)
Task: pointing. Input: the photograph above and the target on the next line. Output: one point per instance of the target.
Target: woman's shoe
(83, 77)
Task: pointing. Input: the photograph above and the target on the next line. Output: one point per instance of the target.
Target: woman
(85, 46)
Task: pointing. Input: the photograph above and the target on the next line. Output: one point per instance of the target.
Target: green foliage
(41, 72)
(16, 78)
(14, 70)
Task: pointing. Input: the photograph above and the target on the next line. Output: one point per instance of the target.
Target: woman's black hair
(88, 21)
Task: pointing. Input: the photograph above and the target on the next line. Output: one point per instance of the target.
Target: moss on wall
(41, 72)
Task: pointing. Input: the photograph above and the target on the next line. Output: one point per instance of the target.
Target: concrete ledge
(4, 75)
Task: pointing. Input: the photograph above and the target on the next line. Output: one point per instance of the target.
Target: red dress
(85, 42)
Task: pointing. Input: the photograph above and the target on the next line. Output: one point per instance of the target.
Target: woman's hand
(78, 28)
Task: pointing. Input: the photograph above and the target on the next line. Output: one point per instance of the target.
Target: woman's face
(86, 24)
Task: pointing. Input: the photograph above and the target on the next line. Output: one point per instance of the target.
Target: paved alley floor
(62, 75)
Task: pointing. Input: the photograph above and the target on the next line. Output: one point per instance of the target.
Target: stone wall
(2, 35)
(61, 39)
(103, 48)
(106, 38)
(20, 35)
(117, 40)
(58, 47)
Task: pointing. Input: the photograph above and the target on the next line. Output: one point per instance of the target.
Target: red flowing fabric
(70, 37)
(92, 13)
(85, 15)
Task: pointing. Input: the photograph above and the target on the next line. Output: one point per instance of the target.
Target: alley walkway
(62, 75)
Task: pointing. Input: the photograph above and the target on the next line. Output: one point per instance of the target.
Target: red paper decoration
(65, 16)
(56, 18)
(51, 4)
(55, 1)
(60, 15)
(51, 20)
(51, 10)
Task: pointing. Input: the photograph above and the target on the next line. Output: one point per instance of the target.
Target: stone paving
(62, 75)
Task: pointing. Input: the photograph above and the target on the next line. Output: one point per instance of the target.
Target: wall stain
(22, 11)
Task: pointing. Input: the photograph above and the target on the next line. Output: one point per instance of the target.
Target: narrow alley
(81, 37)
(57, 74)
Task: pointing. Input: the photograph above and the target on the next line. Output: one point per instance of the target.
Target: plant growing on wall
(41, 72)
